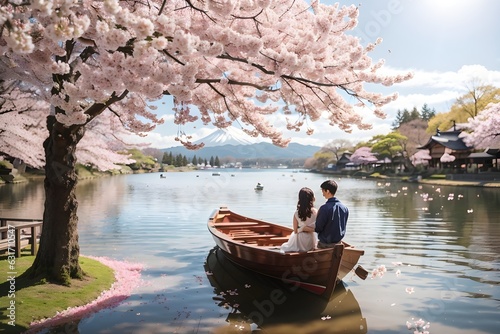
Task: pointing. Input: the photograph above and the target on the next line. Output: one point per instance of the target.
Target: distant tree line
(180, 160)
(405, 116)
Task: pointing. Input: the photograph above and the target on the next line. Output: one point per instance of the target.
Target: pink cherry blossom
(410, 290)
(363, 155)
(483, 130)
(379, 271)
(446, 157)
(418, 326)
(421, 157)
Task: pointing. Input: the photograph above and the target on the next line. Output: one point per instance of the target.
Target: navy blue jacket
(331, 221)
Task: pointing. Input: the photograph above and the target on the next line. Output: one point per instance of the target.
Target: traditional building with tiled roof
(447, 144)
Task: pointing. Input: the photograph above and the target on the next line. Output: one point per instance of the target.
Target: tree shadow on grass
(10, 288)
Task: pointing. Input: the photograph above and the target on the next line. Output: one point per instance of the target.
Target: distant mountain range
(232, 142)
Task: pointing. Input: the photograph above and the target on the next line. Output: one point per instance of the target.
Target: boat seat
(277, 238)
(255, 236)
(235, 224)
(272, 241)
(240, 233)
(242, 227)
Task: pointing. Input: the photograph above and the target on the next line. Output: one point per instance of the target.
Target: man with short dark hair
(332, 217)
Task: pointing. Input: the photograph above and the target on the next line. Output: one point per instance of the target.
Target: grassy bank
(31, 300)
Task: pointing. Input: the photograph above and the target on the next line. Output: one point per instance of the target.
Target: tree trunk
(57, 257)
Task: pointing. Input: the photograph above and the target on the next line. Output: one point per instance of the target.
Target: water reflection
(28, 195)
(258, 302)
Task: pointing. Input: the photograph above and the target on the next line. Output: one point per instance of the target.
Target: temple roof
(449, 139)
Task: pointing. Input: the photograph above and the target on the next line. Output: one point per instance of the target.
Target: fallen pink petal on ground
(127, 278)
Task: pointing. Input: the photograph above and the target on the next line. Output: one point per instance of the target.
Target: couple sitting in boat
(329, 222)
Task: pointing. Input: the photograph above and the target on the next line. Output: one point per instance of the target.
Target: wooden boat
(255, 244)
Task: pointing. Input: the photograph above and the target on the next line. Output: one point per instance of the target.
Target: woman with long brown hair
(305, 215)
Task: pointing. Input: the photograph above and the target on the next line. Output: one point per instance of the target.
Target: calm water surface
(440, 247)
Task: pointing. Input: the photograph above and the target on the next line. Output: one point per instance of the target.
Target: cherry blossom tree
(484, 128)
(421, 157)
(447, 157)
(363, 156)
(234, 60)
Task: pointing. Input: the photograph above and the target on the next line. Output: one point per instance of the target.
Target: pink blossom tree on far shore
(236, 61)
(421, 157)
(484, 129)
(447, 157)
(363, 156)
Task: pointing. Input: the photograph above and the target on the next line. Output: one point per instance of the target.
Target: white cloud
(439, 100)
(457, 80)
(168, 118)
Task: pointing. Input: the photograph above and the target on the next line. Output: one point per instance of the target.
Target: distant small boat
(162, 176)
(215, 174)
(259, 186)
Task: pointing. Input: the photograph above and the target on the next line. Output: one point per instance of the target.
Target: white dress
(302, 241)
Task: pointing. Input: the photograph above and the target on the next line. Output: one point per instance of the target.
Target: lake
(439, 245)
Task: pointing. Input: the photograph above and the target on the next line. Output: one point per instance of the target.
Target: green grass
(438, 176)
(38, 299)
(377, 175)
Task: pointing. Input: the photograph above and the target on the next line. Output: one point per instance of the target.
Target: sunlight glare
(451, 7)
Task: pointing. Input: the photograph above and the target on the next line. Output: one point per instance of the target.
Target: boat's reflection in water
(262, 304)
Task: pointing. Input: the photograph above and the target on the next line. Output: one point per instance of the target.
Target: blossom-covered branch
(484, 129)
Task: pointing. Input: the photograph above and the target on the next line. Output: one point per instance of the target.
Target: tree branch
(97, 108)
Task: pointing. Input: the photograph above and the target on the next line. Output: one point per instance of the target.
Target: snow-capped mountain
(227, 136)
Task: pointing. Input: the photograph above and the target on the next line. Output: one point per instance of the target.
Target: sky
(447, 44)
